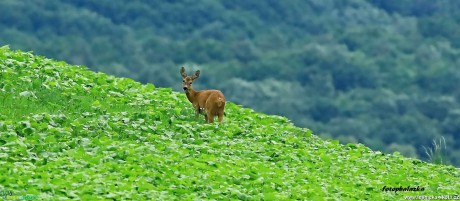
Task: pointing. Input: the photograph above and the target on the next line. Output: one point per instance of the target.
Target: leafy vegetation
(70, 133)
(378, 72)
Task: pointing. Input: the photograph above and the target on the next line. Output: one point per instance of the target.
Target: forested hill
(380, 72)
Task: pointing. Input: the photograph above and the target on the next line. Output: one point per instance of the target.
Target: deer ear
(197, 74)
(182, 72)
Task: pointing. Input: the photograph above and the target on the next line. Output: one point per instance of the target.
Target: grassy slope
(67, 132)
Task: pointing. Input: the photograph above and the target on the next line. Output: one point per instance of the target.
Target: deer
(210, 103)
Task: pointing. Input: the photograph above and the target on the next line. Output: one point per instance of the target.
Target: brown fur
(209, 102)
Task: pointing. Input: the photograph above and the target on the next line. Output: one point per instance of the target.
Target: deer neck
(191, 95)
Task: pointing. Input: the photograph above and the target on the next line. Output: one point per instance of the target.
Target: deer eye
(183, 81)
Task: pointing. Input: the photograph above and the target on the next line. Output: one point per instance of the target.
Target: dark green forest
(380, 72)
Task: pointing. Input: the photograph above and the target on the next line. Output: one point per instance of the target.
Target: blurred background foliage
(381, 72)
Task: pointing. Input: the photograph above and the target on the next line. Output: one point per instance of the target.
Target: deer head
(188, 80)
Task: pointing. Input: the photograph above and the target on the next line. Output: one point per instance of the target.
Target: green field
(69, 133)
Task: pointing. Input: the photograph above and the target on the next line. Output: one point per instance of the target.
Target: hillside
(70, 133)
(377, 72)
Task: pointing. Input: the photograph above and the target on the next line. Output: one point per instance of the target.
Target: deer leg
(197, 112)
(210, 118)
(221, 116)
(205, 117)
(203, 112)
